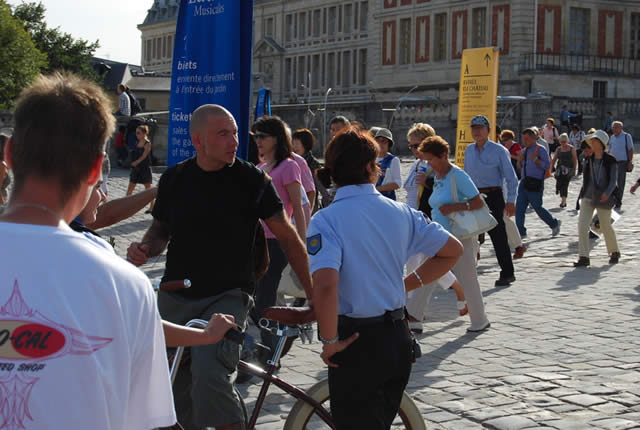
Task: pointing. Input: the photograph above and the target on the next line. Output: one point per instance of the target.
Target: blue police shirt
(368, 239)
(491, 167)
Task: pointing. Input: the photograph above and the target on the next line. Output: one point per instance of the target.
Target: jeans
(533, 198)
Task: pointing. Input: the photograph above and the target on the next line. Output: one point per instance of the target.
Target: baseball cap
(480, 120)
(383, 132)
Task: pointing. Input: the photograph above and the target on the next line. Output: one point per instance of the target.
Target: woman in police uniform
(359, 291)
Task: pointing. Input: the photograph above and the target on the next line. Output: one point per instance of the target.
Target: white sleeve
(151, 399)
(393, 175)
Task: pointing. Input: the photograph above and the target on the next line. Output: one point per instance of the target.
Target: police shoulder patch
(314, 244)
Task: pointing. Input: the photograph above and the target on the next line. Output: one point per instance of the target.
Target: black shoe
(592, 235)
(582, 262)
(505, 282)
(615, 257)
(148, 211)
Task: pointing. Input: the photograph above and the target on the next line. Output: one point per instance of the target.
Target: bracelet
(418, 277)
(327, 341)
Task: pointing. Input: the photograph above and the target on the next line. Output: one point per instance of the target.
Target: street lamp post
(400, 100)
(324, 128)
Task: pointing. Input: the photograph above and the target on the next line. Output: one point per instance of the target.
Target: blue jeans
(533, 198)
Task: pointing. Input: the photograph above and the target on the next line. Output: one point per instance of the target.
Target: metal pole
(324, 128)
(399, 103)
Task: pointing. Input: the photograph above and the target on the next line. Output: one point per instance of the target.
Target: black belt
(489, 189)
(394, 315)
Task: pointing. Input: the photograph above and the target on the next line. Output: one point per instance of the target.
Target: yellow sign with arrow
(478, 94)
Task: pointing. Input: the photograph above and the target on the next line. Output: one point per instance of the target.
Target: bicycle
(308, 411)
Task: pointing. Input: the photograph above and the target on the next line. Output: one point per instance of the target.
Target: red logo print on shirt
(27, 335)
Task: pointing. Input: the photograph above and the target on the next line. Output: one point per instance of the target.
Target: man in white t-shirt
(621, 147)
(81, 339)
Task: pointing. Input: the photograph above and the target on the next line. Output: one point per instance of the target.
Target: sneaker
(615, 257)
(415, 326)
(505, 282)
(519, 252)
(582, 262)
(555, 230)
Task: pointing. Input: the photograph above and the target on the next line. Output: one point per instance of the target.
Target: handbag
(468, 224)
(290, 285)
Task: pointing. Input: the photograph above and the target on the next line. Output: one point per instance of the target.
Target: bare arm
(574, 156)
(311, 195)
(295, 196)
(435, 267)
(474, 203)
(153, 243)
(293, 247)
(120, 209)
(325, 299)
(389, 187)
(178, 335)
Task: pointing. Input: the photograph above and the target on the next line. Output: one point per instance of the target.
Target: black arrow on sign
(487, 58)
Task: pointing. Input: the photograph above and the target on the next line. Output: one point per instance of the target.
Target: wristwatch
(327, 341)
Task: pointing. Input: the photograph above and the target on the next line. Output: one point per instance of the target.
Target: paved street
(563, 350)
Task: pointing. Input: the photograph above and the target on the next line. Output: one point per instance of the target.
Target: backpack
(135, 104)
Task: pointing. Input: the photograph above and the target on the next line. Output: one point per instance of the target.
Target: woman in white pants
(435, 150)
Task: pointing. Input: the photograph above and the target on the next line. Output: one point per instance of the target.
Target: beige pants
(465, 271)
(584, 223)
(418, 299)
(513, 235)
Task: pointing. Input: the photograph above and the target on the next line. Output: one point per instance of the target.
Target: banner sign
(263, 104)
(478, 94)
(211, 64)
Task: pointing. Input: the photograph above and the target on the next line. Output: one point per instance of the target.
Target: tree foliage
(62, 50)
(20, 60)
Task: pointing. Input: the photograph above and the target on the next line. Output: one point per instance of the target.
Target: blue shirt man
(621, 147)
(535, 162)
(489, 166)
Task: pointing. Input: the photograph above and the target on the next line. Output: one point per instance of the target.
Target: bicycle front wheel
(302, 416)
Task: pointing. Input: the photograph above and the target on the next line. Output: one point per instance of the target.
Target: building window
(579, 31)
(302, 26)
(268, 27)
(170, 45)
(148, 49)
(440, 37)
(362, 71)
(599, 89)
(332, 21)
(348, 18)
(635, 36)
(288, 73)
(364, 15)
(164, 47)
(301, 72)
(315, 72)
(479, 28)
(288, 33)
(346, 68)
(316, 23)
(405, 41)
(331, 69)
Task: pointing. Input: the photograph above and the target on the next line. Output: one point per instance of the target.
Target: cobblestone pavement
(562, 352)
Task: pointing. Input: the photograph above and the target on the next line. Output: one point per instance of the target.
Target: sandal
(462, 307)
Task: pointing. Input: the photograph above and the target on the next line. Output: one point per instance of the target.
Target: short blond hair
(421, 131)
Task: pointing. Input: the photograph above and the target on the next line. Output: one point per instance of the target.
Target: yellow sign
(478, 94)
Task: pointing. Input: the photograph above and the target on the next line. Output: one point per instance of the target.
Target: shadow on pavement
(581, 276)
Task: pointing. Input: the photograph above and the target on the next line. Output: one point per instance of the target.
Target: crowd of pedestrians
(369, 267)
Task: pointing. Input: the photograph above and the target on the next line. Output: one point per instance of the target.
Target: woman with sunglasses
(274, 146)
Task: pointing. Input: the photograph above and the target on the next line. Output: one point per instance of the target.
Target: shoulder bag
(467, 224)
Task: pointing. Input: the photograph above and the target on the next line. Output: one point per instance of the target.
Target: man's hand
(604, 198)
(533, 156)
(629, 165)
(217, 326)
(446, 209)
(138, 253)
(328, 350)
(634, 187)
(510, 209)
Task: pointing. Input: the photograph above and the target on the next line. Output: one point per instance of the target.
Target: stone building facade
(398, 61)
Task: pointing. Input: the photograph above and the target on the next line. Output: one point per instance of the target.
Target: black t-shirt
(212, 220)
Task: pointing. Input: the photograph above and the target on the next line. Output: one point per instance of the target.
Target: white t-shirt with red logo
(81, 340)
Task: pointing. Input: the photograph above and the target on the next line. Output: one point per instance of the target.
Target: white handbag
(467, 224)
(290, 285)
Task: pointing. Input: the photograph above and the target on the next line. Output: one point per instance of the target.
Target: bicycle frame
(267, 376)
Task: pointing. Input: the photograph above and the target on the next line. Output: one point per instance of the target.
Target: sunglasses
(261, 135)
(414, 146)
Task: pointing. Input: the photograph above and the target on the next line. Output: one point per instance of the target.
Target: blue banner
(211, 64)
(263, 103)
